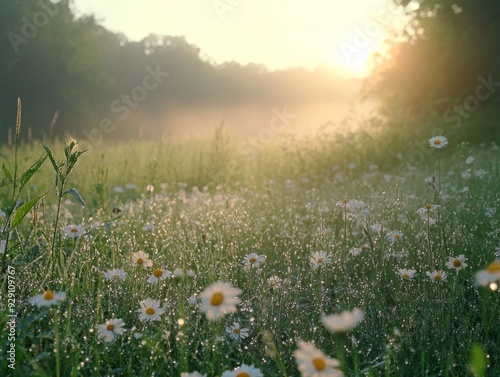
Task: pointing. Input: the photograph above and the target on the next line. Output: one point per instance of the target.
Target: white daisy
(275, 282)
(427, 208)
(457, 263)
(73, 231)
(158, 275)
(406, 274)
(141, 258)
(344, 321)
(48, 298)
(312, 362)
(438, 142)
(395, 236)
(489, 275)
(244, 371)
(236, 332)
(253, 260)
(437, 276)
(193, 374)
(150, 310)
(110, 329)
(219, 299)
(319, 259)
(115, 274)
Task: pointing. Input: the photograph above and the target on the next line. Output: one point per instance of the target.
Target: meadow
(300, 232)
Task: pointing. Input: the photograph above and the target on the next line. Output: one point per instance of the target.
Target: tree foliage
(445, 52)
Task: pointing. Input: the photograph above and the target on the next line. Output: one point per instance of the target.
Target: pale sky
(277, 33)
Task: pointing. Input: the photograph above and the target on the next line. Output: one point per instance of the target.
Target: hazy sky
(277, 33)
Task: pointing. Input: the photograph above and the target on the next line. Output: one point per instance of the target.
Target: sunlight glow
(278, 34)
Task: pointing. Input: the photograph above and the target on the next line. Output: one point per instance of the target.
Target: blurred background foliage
(69, 70)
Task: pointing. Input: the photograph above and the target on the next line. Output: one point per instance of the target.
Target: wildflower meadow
(315, 258)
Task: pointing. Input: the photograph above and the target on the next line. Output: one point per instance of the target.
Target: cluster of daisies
(454, 263)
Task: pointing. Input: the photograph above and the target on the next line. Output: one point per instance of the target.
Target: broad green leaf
(76, 195)
(51, 157)
(478, 360)
(23, 210)
(7, 173)
(32, 170)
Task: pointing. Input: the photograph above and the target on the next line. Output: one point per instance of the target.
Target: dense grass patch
(203, 207)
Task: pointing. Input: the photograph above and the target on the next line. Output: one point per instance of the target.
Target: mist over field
(168, 213)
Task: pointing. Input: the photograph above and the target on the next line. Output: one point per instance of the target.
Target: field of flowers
(130, 261)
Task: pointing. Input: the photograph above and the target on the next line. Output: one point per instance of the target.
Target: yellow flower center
(493, 268)
(243, 374)
(428, 206)
(363, 247)
(116, 277)
(150, 311)
(110, 327)
(74, 230)
(319, 363)
(236, 331)
(457, 263)
(253, 260)
(406, 276)
(217, 299)
(437, 277)
(397, 236)
(158, 273)
(345, 200)
(320, 260)
(437, 141)
(139, 261)
(48, 295)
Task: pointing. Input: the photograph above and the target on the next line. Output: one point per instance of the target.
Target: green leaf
(7, 173)
(23, 210)
(32, 170)
(51, 157)
(478, 360)
(76, 195)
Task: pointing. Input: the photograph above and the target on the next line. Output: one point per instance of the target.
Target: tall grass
(202, 206)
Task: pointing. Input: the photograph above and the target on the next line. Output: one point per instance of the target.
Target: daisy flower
(115, 274)
(244, 371)
(438, 142)
(406, 274)
(110, 329)
(489, 275)
(253, 260)
(193, 374)
(275, 282)
(73, 231)
(48, 298)
(458, 263)
(158, 275)
(319, 259)
(150, 310)
(236, 332)
(141, 259)
(219, 299)
(427, 208)
(395, 236)
(312, 362)
(437, 275)
(343, 322)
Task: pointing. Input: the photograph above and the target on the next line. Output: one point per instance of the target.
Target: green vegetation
(204, 206)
